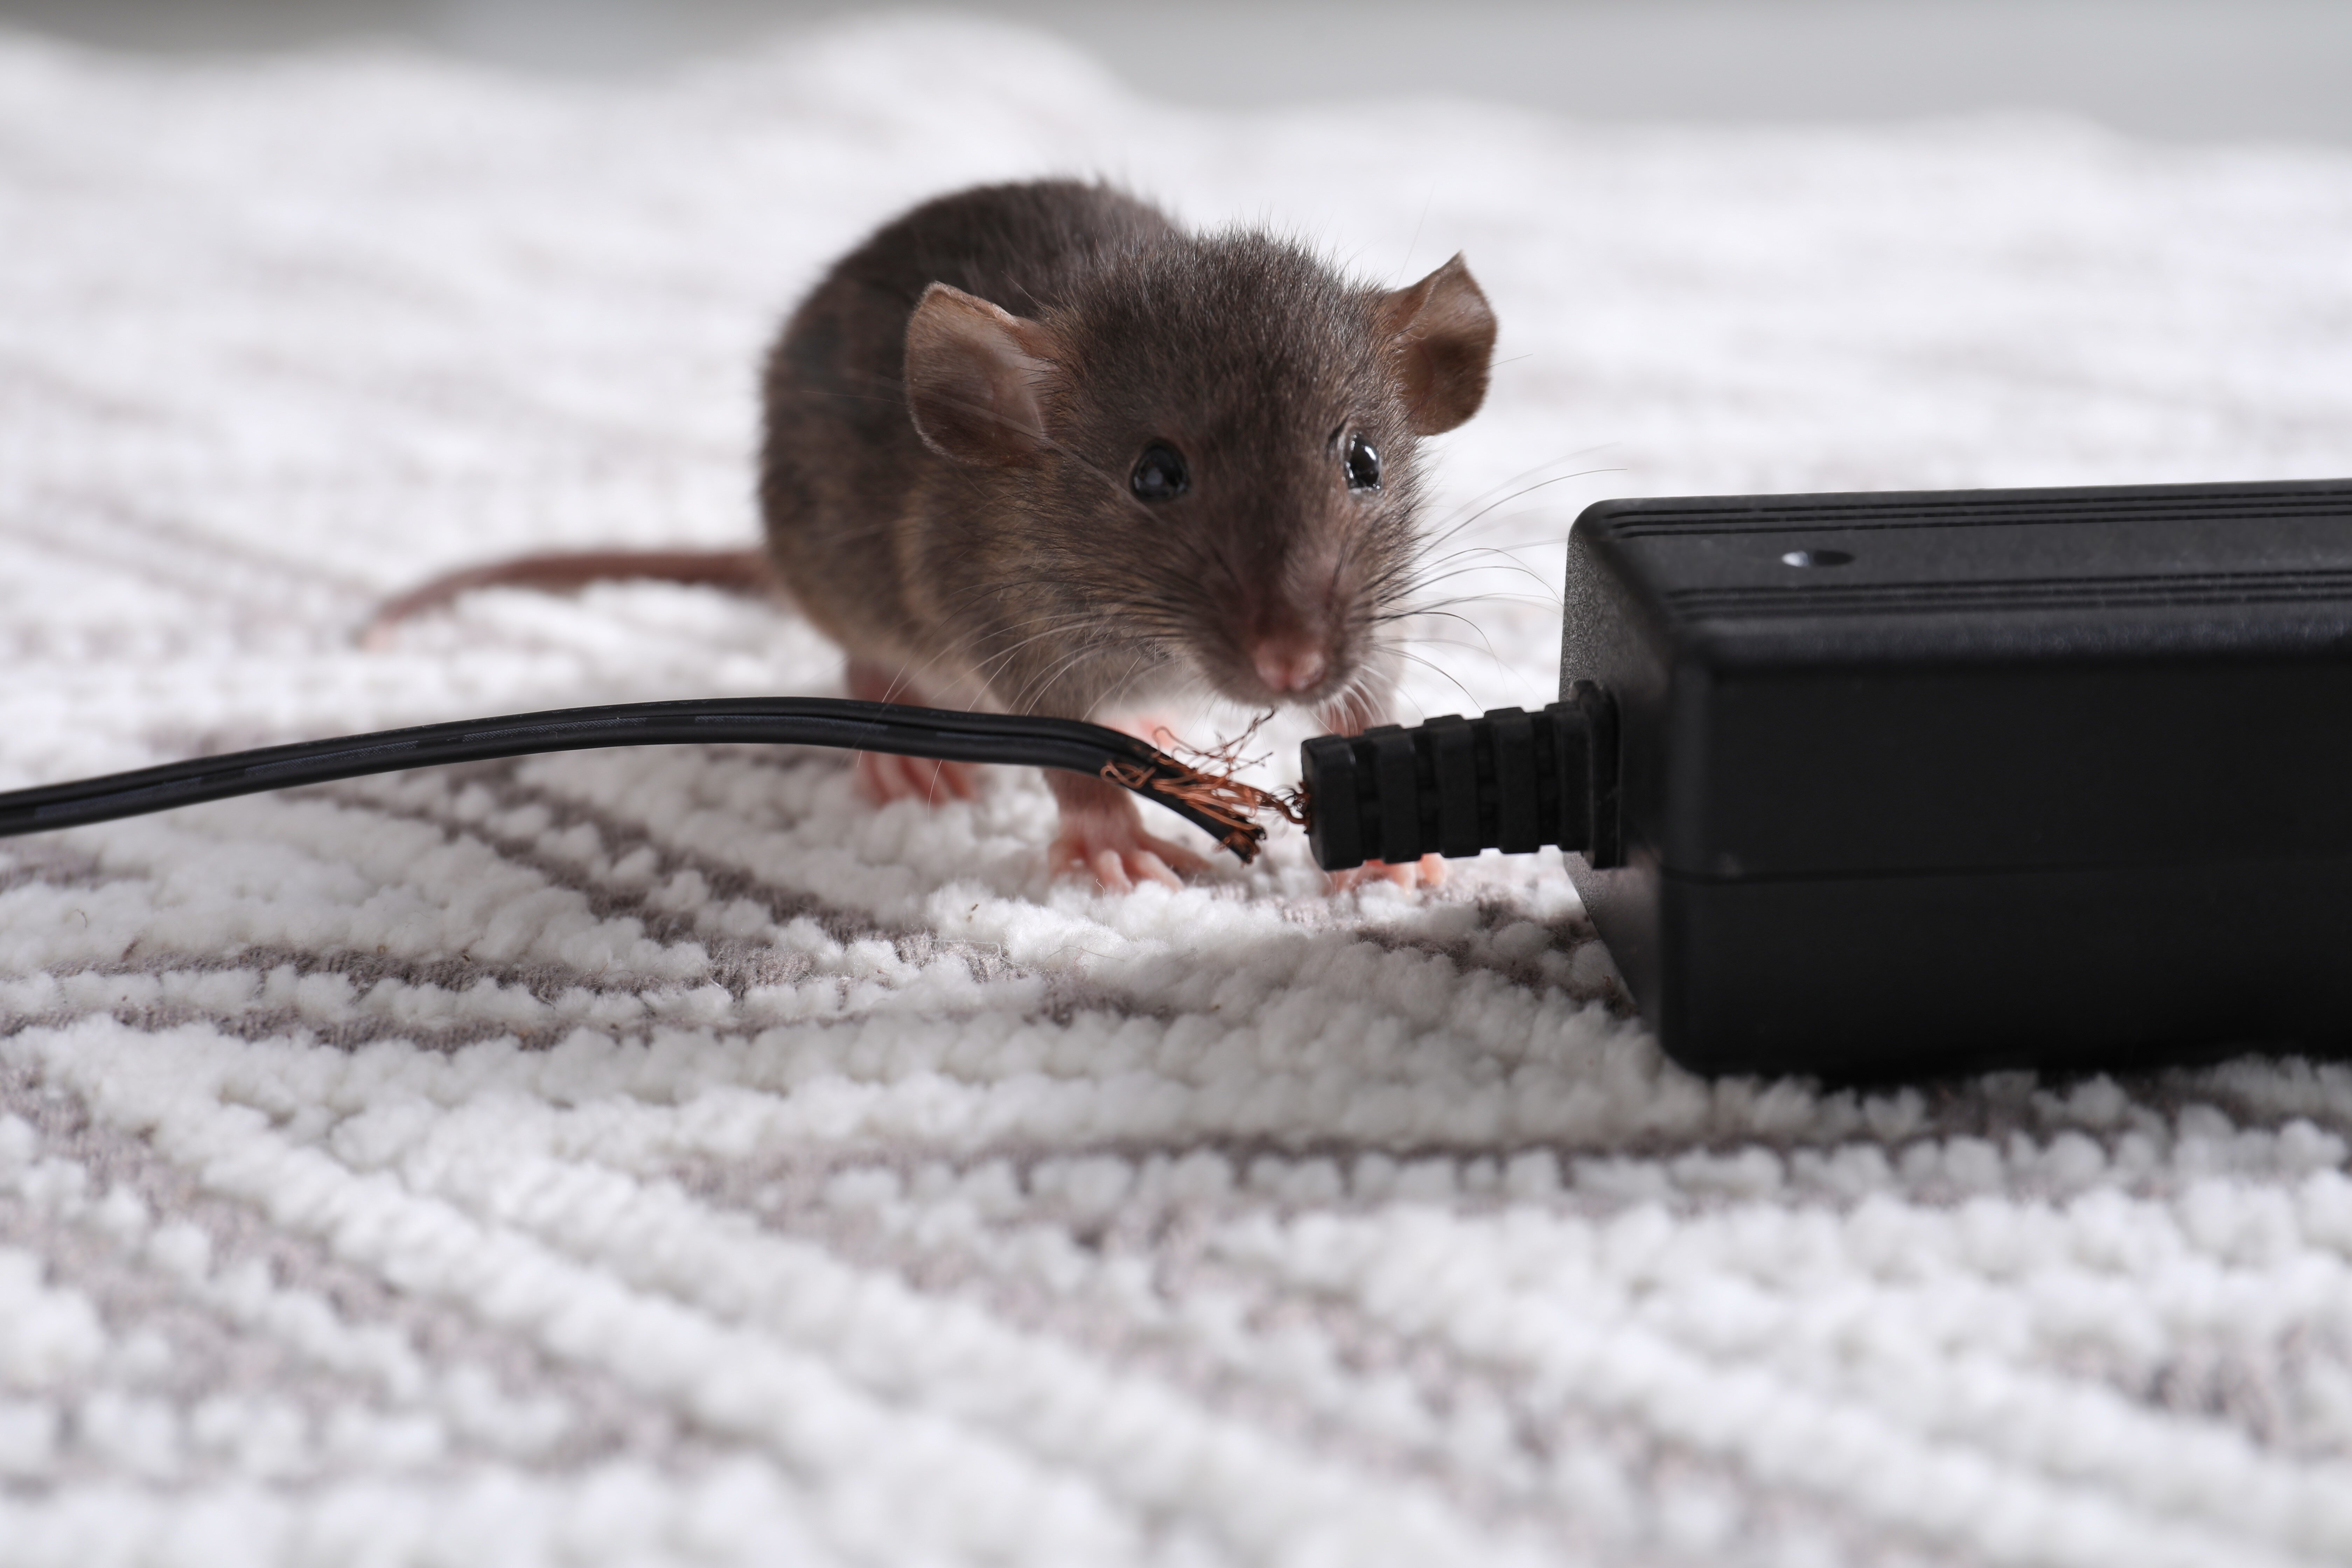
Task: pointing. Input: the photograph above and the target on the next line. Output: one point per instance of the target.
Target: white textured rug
(655, 1156)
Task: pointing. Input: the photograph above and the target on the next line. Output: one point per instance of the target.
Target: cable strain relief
(1506, 779)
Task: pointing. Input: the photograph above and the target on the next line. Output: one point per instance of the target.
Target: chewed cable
(1222, 807)
(1453, 786)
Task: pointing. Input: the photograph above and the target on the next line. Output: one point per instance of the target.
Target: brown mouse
(1035, 448)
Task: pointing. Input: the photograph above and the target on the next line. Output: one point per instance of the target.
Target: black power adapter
(1900, 783)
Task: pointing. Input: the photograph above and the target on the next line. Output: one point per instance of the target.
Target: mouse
(1037, 447)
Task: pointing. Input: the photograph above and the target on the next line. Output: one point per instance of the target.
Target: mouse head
(1212, 443)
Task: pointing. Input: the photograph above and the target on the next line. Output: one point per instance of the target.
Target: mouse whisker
(1509, 551)
(1125, 683)
(960, 649)
(1481, 646)
(1546, 594)
(1043, 685)
(1416, 612)
(1464, 523)
(1447, 675)
(1458, 526)
(1503, 490)
(984, 668)
(1530, 472)
(1463, 562)
(996, 661)
(1509, 564)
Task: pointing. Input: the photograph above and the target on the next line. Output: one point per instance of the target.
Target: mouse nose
(1289, 666)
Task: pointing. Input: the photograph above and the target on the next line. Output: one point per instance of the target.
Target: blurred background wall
(2178, 70)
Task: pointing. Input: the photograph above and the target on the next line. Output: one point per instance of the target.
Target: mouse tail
(743, 571)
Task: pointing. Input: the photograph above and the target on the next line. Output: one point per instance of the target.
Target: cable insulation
(941, 734)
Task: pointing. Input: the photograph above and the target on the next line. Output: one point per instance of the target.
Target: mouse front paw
(883, 778)
(1120, 862)
(1102, 836)
(1426, 872)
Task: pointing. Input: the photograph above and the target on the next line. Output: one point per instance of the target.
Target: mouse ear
(976, 377)
(1444, 336)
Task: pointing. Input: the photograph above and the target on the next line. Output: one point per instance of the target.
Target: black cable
(1217, 805)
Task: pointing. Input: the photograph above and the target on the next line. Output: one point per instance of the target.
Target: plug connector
(1507, 780)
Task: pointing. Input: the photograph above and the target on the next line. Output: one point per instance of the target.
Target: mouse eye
(1363, 465)
(1159, 473)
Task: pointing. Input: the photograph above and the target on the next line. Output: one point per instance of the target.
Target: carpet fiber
(658, 1157)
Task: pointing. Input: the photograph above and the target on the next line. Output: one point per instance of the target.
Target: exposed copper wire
(1217, 794)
